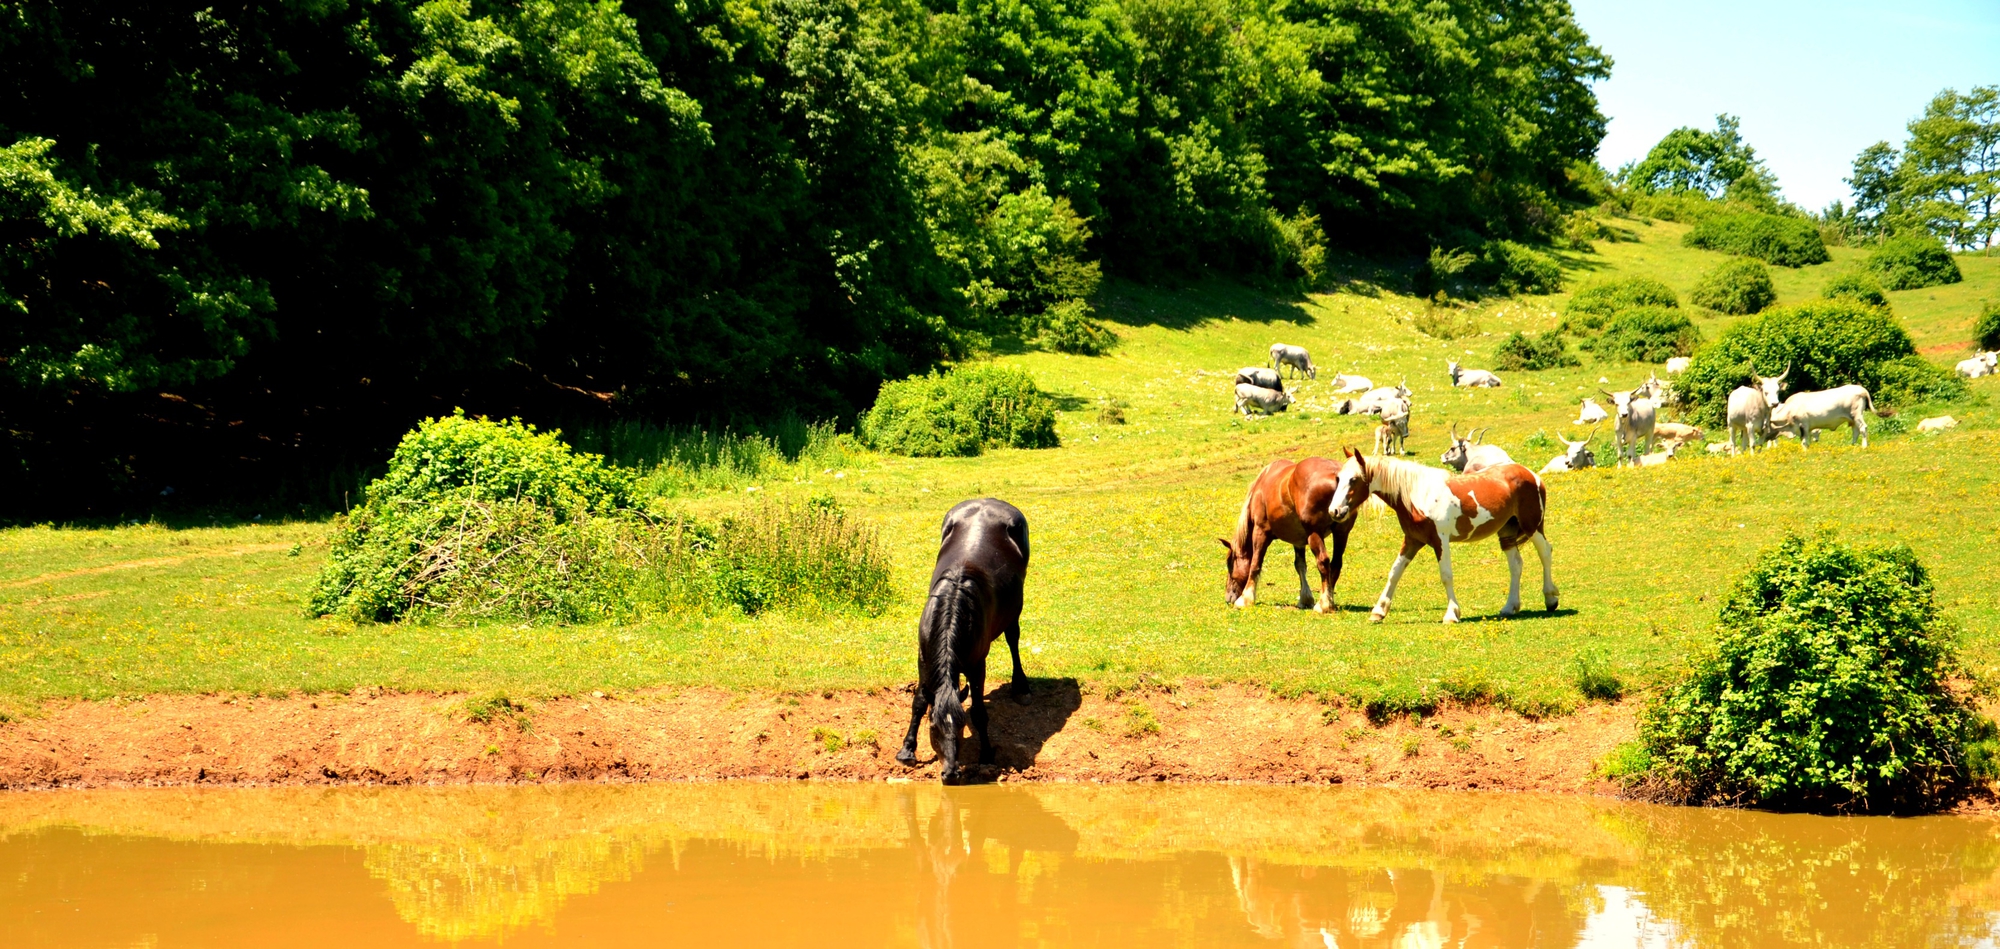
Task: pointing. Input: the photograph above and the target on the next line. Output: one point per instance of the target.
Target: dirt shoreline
(1193, 733)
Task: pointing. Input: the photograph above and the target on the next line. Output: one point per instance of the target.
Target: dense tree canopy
(1945, 181)
(650, 200)
(1716, 164)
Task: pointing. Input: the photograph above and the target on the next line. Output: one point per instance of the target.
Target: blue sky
(1813, 82)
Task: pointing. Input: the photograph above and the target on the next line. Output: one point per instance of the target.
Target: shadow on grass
(1197, 304)
(1526, 615)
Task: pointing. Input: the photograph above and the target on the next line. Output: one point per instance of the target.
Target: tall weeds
(679, 460)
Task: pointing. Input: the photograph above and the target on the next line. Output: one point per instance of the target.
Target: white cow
(1677, 365)
(1749, 414)
(1468, 455)
(1635, 419)
(1388, 400)
(1676, 433)
(1261, 377)
(1349, 383)
(1576, 456)
(1772, 386)
(1470, 378)
(1981, 364)
(1932, 426)
(1660, 457)
(1295, 357)
(1390, 434)
(1807, 413)
(1267, 401)
(1591, 413)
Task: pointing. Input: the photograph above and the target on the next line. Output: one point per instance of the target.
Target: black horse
(975, 597)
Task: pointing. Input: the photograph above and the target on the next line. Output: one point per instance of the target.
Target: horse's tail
(950, 596)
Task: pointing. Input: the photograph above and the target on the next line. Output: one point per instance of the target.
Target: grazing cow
(1590, 413)
(1576, 456)
(1634, 424)
(1677, 365)
(1349, 383)
(1261, 377)
(1293, 503)
(1390, 434)
(1470, 378)
(1468, 455)
(1750, 415)
(1932, 426)
(1437, 509)
(1980, 365)
(1675, 433)
(1660, 457)
(975, 598)
(1807, 413)
(1267, 401)
(1295, 357)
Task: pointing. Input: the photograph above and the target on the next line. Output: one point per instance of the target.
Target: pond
(813, 864)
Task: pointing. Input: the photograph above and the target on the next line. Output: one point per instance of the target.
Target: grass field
(1127, 576)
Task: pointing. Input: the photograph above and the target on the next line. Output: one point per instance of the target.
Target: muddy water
(915, 865)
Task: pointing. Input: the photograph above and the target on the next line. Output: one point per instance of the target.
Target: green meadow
(1126, 578)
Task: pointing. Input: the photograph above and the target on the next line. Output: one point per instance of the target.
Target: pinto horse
(975, 599)
(1437, 510)
(1289, 502)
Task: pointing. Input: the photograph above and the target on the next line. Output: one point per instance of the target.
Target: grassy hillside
(1127, 576)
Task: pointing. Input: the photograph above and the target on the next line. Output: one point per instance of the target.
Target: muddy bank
(1193, 733)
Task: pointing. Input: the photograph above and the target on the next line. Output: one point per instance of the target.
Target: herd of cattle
(1757, 414)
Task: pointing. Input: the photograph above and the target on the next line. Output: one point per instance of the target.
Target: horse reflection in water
(1305, 906)
(966, 829)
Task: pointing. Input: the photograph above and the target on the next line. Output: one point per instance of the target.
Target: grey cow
(1295, 357)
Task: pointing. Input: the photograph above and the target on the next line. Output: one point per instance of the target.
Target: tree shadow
(1019, 729)
(1198, 303)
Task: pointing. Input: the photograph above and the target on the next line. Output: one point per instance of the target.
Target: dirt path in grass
(148, 562)
(1193, 733)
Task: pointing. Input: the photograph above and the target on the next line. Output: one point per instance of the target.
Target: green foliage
(1521, 351)
(1590, 307)
(1913, 263)
(1914, 380)
(1596, 682)
(487, 460)
(1693, 161)
(1736, 286)
(1649, 334)
(1515, 268)
(960, 413)
(810, 556)
(1857, 286)
(1774, 238)
(1826, 343)
(1828, 688)
(1439, 270)
(1068, 327)
(1986, 332)
(1943, 182)
(681, 459)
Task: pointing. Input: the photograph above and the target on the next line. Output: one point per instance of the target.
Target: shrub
(1859, 287)
(1649, 334)
(1986, 332)
(1737, 286)
(1912, 263)
(1439, 270)
(1828, 688)
(1516, 268)
(1773, 238)
(960, 413)
(807, 555)
(1068, 327)
(1592, 305)
(1441, 320)
(1826, 343)
(1914, 380)
(1520, 351)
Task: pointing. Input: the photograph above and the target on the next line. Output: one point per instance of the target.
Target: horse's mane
(1394, 479)
(1243, 519)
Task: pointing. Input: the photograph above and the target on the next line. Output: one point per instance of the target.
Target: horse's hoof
(1376, 617)
(1509, 612)
(1450, 618)
(1021, 696)
(907, 759)
(1324, 606)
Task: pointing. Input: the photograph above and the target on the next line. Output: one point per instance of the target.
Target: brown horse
(1292, 503)
(1438, 510)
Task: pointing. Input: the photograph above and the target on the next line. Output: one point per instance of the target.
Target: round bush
(1516, 268)
(1520, 351)
(1986, 331)
(1773, 238)
(1912, 263)
(1649, 334)
(1828, 688)
(1591, 306)
(959, 413)
(1738, 286)
(1826, 343)
(1859, 287)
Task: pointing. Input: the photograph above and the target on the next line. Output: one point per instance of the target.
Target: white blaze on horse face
(1340, 510)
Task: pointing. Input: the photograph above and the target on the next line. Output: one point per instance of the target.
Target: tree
(1946, 178)
(1714, 164)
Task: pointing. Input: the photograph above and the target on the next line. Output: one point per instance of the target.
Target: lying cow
(1468, 455)
(1932, 426)
(1267, 401)
(1980, 365)
(1675, 433)
(1634, 426)
(1677, 365)
(1576, 456)
(1807, 413)
(1390, 434)
(1388, 400)
(1261, 377)
(1591, 413)
(1347, 383)
(1295, 357)
(1660, 457)
(1470, 378)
